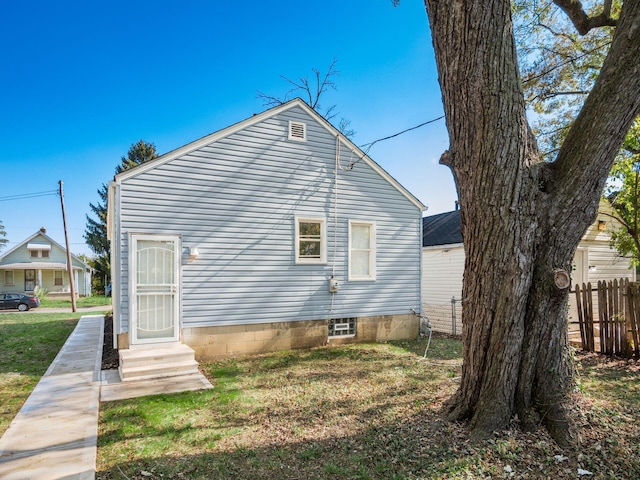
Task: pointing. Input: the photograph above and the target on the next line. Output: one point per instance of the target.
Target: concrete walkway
(54, 435)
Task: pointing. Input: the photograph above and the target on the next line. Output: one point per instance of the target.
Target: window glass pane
(309, 249)
(360, 236)
(308, 229)
(310, 238)
(155, 262)
(360, 263)
(155, 316)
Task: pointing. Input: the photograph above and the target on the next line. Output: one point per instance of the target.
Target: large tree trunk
(522, 218)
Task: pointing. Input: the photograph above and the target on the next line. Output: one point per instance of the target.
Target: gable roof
(296, 102)
(40, 233)
(441, 229)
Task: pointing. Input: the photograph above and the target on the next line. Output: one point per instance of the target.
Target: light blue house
(274, 233)
(41, 261)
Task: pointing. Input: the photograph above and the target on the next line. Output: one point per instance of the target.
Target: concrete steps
(156, 361)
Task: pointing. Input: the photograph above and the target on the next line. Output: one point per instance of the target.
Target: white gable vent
(297, 131)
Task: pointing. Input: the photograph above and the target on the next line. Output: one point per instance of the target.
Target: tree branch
(562, 64)
(583, 22)
(547, 95)
(313, 93)
(598, 132)
(632, 150)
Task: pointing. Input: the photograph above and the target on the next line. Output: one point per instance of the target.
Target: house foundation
(213, 343)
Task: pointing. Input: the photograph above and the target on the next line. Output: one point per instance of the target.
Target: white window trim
(372, 250)
(13, 278)
(323, 241)
(61, 278)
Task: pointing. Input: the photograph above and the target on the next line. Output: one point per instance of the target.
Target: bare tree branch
(313, 90)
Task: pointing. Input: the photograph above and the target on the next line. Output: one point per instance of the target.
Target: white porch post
(39, 278)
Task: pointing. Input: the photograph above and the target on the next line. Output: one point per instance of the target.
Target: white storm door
(154, 262)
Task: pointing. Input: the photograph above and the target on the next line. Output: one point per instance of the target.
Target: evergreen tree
(96, 230)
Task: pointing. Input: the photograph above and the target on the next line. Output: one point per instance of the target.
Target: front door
(155, 289)
(29, 280)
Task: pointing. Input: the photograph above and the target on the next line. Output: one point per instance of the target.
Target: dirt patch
(110, 358)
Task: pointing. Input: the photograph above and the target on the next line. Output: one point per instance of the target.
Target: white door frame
(581, 263)
(172, 288)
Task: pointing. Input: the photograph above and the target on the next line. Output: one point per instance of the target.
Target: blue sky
(82, 81)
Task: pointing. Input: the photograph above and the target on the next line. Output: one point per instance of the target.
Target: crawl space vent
(342, 327)
(297, 131)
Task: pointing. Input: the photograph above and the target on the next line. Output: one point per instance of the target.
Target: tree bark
(522, 218)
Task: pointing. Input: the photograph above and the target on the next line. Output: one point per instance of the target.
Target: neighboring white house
(443, 265)
(41, 261)
(274, 233)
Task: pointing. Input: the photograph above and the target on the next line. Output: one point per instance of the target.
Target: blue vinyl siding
(236, 200)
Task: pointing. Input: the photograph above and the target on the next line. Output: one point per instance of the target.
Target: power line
(370, 144)
(22, 196)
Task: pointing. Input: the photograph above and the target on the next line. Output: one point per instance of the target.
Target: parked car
(20, 301)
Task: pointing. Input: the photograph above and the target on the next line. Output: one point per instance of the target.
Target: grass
(368, 411)
(82, 302)
(28, 344)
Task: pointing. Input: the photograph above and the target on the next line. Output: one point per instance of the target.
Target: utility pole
(66, 239)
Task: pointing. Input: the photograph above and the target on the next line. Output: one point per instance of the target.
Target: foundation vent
(342, 327)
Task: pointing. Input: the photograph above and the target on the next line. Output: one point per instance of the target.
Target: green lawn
(370, 411)
(28, 344)
(95, 301)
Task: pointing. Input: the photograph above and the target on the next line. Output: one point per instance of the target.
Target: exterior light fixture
(602, 225)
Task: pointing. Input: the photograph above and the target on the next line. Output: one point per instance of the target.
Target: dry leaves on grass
(374, 412)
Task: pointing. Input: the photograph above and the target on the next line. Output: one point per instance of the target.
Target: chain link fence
(445, 318)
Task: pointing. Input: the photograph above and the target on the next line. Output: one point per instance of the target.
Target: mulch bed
(109, 354)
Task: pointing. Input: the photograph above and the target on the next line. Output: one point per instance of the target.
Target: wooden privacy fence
(617, 329)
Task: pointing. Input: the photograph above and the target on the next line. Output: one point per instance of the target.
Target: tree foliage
(623, 195)
(559, 64)
(96, 228)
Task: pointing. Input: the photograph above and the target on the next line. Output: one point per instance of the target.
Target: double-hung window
(362, 250)
(57, 277)
(8, 277)
(311, 240)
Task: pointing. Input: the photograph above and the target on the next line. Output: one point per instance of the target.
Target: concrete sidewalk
(54, 436)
